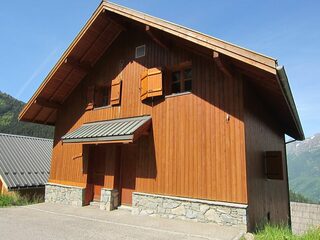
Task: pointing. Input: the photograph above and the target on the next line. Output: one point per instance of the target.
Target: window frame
(181, 68)
(137, 49)
(98, 87)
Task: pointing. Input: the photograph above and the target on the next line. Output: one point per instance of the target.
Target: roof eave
(285, 88)
(61, 60)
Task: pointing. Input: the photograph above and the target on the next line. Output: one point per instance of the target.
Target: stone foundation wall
(109, 199)
(190, 209)
(69, 195)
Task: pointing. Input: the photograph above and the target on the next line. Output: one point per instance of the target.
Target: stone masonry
(190, 209)
(304, 216)
(109, 199)
(69, 195)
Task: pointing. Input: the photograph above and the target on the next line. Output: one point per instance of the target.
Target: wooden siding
(193, 150)
(263, 134)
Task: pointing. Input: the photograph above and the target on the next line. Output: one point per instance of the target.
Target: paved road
(53, 222)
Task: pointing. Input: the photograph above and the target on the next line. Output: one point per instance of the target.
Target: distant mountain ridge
(304, 167)
(9, 112)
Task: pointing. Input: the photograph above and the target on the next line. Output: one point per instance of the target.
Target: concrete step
(95, 204)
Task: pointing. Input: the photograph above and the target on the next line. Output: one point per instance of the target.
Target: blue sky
(35, 33)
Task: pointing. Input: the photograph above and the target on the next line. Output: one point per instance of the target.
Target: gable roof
(24, 161)
(99, 33)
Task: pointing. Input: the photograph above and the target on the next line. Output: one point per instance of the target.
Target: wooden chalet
(167, 120)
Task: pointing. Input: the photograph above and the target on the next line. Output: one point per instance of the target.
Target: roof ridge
(187, 28)
(24, 136)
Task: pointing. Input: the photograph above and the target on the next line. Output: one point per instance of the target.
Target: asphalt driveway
(52, 221)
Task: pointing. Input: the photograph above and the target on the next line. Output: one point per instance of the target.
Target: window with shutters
(180, 79)
(102, 95)
(151, 83)
(274, 165)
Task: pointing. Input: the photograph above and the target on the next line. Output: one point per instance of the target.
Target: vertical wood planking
(193, 151)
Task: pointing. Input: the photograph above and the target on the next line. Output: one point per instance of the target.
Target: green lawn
(283, 233)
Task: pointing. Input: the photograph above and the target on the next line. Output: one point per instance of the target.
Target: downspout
(283, 80)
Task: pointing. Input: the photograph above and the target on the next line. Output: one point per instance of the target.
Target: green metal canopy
(116, 130)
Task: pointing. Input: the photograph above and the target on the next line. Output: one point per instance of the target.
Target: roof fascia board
(99, 139)
(258, 60)
(286, 91)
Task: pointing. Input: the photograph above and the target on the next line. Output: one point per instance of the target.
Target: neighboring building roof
(100, 32)
(24, 161)
(118, 130)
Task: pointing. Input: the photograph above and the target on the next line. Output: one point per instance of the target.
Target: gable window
(181, 79)
(102, 95)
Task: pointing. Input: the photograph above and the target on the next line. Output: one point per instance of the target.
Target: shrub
(15, 199)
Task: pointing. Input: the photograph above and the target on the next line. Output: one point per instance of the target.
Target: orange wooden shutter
(90, 98)
(115, 91)
(151, 83)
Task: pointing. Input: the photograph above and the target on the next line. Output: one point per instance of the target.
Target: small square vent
(140, 51)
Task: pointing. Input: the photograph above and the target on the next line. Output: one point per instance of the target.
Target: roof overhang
(124, 130)
(101, 30)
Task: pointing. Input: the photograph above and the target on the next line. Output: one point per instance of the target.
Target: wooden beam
(77, 64)
(221, 65)
(48, 104)
(154, 38)
(114, 22)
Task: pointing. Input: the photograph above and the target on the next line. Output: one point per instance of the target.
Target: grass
(18, 200)
(271, 232)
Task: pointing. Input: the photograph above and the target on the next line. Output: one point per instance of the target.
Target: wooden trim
(239, 53)
(143, 130)
(154, 38)
(221, 64)
(67, 183)
(48, 104)
(77, 64)
(105, 142)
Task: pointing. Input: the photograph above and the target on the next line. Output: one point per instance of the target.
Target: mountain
(9, 111)
(304, 167)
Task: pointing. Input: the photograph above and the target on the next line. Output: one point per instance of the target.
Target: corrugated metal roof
(24, 161)
(112, 130)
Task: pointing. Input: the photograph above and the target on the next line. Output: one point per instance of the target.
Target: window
(140, 51)
(102, 95)
(274, 165)
(181, 79)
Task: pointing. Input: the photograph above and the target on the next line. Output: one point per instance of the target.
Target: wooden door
(97, 165)
(129, 155)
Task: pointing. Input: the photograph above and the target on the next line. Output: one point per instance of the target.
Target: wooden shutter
(115, 91)
(151, 83)
(90, 98)
(274, 165)
(144, 85)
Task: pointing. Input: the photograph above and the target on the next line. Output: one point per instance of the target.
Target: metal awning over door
(124, 130)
